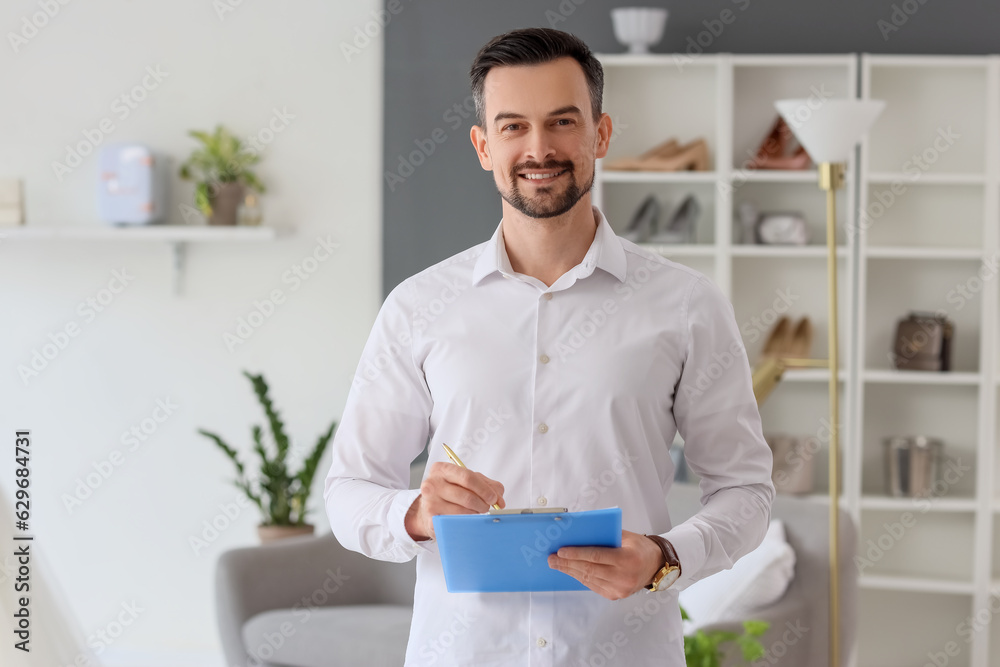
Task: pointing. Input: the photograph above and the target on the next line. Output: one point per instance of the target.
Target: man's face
(540, 139)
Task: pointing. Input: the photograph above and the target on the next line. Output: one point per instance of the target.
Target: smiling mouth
(543, 178)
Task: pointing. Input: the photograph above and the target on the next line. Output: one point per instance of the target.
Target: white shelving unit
(921, 227)
(177, 237)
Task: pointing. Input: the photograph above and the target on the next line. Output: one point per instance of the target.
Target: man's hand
(614, 573)
(450, 489)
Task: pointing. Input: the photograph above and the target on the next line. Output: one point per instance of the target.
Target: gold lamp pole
(828, 130)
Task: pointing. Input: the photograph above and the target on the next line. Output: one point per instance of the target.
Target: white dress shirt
(570, 396)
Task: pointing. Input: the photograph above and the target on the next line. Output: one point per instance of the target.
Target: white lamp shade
(829, 129)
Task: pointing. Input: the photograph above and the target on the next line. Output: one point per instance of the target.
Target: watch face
(664, 581)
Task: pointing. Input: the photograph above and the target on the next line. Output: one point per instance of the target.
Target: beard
(547, 202)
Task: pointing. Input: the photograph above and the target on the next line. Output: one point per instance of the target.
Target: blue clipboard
(494, 553)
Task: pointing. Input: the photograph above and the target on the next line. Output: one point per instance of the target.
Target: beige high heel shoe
(668, 156)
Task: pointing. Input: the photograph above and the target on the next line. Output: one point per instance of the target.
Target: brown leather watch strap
(669, 555)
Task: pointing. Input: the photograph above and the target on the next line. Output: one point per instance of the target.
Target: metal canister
(912, 465)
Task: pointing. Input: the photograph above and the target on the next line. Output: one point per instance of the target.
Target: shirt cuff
(397, 524)
(689, 543)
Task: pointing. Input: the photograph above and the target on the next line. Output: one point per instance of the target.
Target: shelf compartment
(888, 636)
(761, 288)
(913, 217)
(757, 85)
(648, 105)
(949, 413)
(621, 200)
(897, 286)
(904, 545)
(920, 109)
(804, 198)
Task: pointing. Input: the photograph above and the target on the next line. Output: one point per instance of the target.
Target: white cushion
(758, 579)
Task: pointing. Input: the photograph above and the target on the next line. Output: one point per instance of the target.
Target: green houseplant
(220, 168)
(281, 497)
(704, 649)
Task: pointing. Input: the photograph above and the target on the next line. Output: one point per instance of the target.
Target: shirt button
(542, 500)
(542, 428)
(547, 296)
(544, 358)
(541, 642)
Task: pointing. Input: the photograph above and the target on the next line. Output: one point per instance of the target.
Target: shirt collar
(605, 253)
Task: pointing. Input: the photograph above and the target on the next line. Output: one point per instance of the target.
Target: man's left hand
(614, 573)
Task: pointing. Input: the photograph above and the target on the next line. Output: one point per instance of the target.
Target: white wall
(130, 540)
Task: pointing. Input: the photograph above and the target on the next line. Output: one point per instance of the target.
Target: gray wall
(448, 203)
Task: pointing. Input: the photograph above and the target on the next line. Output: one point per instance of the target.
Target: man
(559, 361)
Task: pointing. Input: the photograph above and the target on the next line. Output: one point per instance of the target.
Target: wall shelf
(176, 236)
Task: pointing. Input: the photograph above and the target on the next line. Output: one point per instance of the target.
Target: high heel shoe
(667, 156)
(680, 228)
(778, 340)
(773, 151)
(800, 346)
(644, 220)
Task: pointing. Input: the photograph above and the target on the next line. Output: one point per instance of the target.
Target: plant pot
(274, 533)
(225, 198)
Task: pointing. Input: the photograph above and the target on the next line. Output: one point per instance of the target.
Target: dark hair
(534, 46)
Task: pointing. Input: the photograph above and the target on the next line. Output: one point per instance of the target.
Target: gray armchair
(308, 602)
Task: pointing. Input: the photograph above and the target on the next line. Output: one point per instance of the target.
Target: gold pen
(457, 461)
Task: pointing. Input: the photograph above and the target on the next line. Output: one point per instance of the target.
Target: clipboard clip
(531, 510)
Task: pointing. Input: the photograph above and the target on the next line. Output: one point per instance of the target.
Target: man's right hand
(450, 489)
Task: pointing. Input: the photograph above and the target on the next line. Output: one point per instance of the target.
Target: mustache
(551, 164)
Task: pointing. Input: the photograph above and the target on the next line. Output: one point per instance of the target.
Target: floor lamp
(828, 130)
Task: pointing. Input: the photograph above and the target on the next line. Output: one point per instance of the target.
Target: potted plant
(220, 168)
(282, 498)
(704, 649)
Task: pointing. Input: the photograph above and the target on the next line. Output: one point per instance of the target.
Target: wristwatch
(671, 570)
